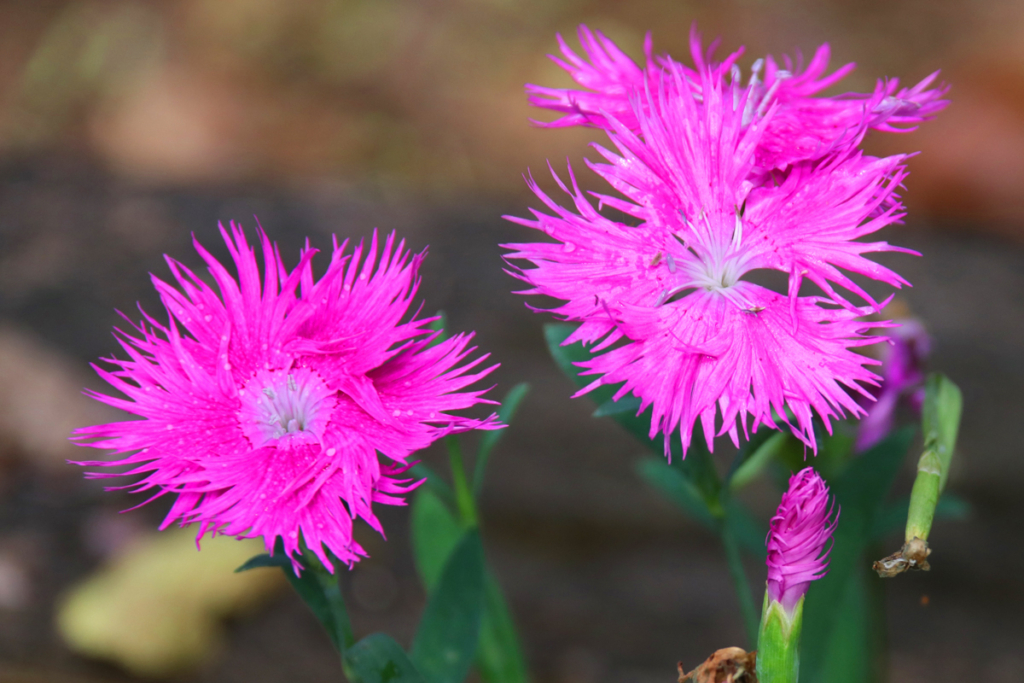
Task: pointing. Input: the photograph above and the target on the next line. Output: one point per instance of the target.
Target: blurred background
(126, 126)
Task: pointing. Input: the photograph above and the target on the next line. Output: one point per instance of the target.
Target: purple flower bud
(903, 361)
(798, 534)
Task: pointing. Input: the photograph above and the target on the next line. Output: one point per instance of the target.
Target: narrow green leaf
(860, 491)
(566, 356)
(741, 583)
(439, 325)
(506, 413)
(697, 466)
(677, 488)
(853, 650)
(626, 404)
(750, 532)
(264, 560)
(758, 460)
(377, 658)
(448, 634)
(434, 482)
(435, 533)
(465, 503)
(317, 587)
(499, 658)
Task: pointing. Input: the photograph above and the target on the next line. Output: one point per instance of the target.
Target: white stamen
(737, 233)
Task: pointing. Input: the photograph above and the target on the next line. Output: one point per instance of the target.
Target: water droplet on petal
(568, 247)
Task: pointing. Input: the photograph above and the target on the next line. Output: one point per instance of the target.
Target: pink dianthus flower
(688, 333)
(806, 125)
(285, 406)
(797, 538)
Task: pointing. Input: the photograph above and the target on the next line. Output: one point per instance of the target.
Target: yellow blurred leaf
(156, 609)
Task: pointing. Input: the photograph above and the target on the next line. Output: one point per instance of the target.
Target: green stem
(342, 632)
(740, 582)
(463, 493)
(924, 497)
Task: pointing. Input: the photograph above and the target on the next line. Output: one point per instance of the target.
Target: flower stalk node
(913, 555)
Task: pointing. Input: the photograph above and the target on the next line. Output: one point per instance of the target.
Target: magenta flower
(688, 333)
(903, 360)
(806, 126)
(797, 538)
(264, 407)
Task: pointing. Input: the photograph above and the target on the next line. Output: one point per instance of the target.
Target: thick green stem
(924, 497)
(740, 582)
(463, 493)
(778, 643)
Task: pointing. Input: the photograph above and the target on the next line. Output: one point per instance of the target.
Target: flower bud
(799, 531)
(797, 554)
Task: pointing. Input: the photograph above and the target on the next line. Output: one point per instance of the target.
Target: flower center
(285, 407)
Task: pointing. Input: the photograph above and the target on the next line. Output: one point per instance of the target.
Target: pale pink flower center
(285, 407)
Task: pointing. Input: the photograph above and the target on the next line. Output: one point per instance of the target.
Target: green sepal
(778, 642)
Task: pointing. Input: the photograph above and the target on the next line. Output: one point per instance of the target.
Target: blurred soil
(607, 582)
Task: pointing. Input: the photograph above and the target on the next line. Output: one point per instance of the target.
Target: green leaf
(753, 465)
(499, 658)
(377, 658)
(434, 482)
(750, 532)
(435, 533)
(626, 404)
(439, 325)
(853, 653)
(859, 491)
(566, 357)
(677, 488)
(697, 465)
(507, 411)
(447, 637)
(317, 587)
(264, 560)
